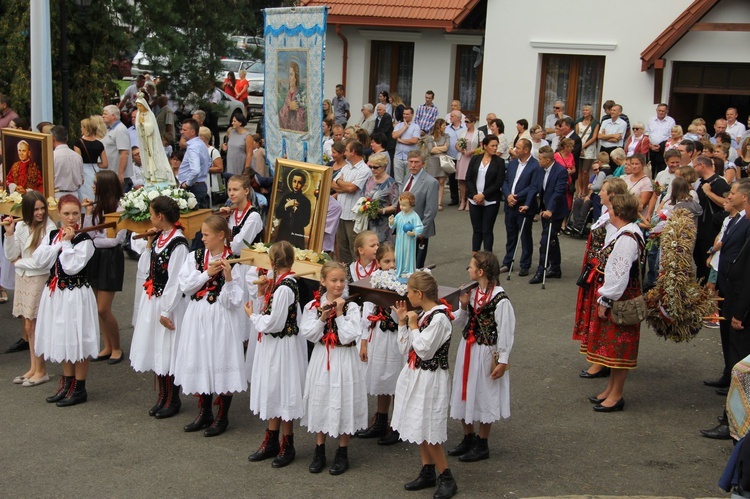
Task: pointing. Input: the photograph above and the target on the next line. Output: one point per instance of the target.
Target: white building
(691, 54)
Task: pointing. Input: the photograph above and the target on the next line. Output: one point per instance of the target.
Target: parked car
(256, 77)
(228, 105)
(119, 67)
(234, 65)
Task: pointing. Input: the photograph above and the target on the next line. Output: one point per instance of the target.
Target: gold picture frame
(38, 157)
(300, 190)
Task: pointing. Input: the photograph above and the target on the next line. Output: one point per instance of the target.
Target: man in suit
(384, 125)
(425, 189)
(734, 287)
(484, 128)
(520, 205)
(551, 186)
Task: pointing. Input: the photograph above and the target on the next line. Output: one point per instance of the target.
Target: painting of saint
(292, 68)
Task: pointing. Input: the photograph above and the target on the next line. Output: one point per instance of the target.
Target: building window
(391, 69)
(576, 80)
(468, 84)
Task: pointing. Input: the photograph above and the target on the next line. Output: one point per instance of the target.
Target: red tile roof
(438, 14)
(675, 31)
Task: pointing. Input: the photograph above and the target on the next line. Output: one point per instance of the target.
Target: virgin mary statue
(156, 169)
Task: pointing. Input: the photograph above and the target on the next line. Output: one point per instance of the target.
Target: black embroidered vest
(66, 281)
(483, 324)
(212, 289)
(440, 359)
(387, 325)
(635, 275)
(237, 228)
(331, 327)
(158, 273)
(290, 327)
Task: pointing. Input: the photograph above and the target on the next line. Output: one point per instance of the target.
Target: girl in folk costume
(21, 240)
(365, 246)
(162, 304)
(244, 218)
(335, 393)
(379, 349)
(209, 353)
(420, 411)
(107, 268)
(67, 328)
(481, 387)
(278, 377)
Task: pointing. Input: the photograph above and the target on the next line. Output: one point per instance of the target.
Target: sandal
(440, 207)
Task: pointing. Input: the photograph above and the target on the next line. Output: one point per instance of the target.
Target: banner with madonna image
(293, 95)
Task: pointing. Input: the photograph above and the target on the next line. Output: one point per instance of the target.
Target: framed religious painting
(299, 204)
(28, 162)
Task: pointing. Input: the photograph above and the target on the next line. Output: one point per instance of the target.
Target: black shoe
(594, 400)
(602, 373)
(18, 346)
(101, 358)
(287, 452)
(537, 279)
(447, 486)
(377, 428)
(453, 203)
(479, 452)
(319, 459)
(391, 438)
(425, 480)
(554, 275)
(221, 421)
(269, 448)
(76, 394)
(112, 361)
(172, 402)
(465, 446)
(720, 432)
(523, 272)
(722, 391)
(717, 383)
(162, 396)
(62, 389)
(340, 462)
(619, 406)
(205, 416)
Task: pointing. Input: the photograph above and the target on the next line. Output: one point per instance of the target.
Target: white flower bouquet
(136, 202)
(302, 255)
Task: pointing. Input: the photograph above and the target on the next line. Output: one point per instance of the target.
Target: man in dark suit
(520, 205)
(425, 189)
(733, 283)
(484, 128)
(384, 125)
(551, 186)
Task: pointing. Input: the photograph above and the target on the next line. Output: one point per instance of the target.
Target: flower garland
(136, 202)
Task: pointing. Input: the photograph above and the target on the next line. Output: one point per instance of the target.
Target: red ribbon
(148, 285)
(52, 285)
(260, 336)
(203, 291)
(412, 359)
(329, 340)
(470, 340)
(448, 308)
(316, 300)
(380, 316)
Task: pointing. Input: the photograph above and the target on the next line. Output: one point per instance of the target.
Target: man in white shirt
(735, 129)
(68, 164)
(349, 185)
(406, 134)
(455, 130)
(551, 119)
(117, 146)
(664, 178)
(612, 131)
(658, 131)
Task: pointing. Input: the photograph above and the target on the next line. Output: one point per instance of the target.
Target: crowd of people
(608, 179)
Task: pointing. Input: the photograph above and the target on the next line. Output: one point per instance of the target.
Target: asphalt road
(554, 444)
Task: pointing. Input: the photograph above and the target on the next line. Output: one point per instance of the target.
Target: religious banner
(293, 95)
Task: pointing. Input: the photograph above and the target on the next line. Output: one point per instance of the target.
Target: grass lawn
(122, 85)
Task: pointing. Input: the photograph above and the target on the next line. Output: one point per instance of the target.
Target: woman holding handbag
(613, 342)
(484, 182)
(437, 144)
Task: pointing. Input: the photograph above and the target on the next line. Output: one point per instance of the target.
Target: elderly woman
(437, 144)
(637, 143)
(618, 279)
(384, 188)
(537, 140)
(676, 135)
(617, 162)
(586, 306)
(484, 181)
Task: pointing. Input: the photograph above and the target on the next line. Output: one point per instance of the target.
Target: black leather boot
(391, 438)
(205, 415)
(377, 428)
(221, 421)
(269, 448)
(465, 446)
(287, 452)
(446, 485)
(426, 479)
(319, 460)
(480, 451)
(62, 389)
(172, 402)
(162, 396)
(340, 462)
(76, 394)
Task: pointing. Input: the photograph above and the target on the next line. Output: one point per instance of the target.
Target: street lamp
(64, 67)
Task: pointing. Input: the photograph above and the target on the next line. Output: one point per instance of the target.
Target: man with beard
(293, 212)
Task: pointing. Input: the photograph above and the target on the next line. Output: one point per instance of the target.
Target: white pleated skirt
(67, 325)
(154, 347)
(420, 407)
(384, 362)
(278, 377)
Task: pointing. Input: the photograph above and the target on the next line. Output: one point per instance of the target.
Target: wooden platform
(7, 209)
(191, 223)
(309, 269)
(388, 298)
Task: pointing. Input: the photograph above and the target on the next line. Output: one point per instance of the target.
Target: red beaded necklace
(357, 265)
(161, 242)
(238, 219)
(482, 297)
